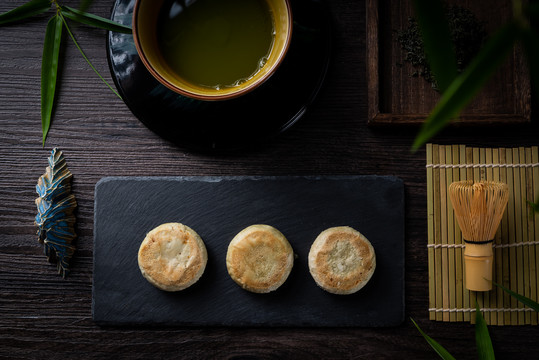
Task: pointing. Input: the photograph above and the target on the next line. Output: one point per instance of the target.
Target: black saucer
(228, 124)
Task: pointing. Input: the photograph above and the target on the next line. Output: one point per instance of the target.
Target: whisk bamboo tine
(478, 207)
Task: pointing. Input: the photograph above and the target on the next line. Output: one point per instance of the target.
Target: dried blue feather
(55, 217)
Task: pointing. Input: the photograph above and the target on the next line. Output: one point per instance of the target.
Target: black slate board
(126, 208)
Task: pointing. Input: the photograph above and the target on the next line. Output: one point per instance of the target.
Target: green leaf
(437, 41)
(49, 71)
(465, 86)
(31, 8)
(94, 20)
(526, 301)
(482, 337)
(85, 4)
(86, 58)
(443, 353)
(534, 206)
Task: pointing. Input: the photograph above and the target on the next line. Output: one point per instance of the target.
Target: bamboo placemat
(516, 247)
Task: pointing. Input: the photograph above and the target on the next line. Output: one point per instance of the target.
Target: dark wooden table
(44, 316)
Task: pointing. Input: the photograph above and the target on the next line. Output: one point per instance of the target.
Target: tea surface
(215, 43)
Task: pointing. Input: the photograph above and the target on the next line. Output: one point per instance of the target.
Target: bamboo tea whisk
(479, 207)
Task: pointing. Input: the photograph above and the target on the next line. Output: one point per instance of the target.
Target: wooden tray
(218, 208)
(397, 98)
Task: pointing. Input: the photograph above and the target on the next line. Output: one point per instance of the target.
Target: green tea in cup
(215, 43)
(212, 49)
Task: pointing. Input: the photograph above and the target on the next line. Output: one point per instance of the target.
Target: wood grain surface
(43, 316)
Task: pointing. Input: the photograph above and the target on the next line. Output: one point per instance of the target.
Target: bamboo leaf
(85, 4)
(534, 206)
(465, 86)
(31, 8)
(526, 301)
(482, 337)
(94, 20)
(86, 58)
(49, 71)
(437, 42)
(443, 353)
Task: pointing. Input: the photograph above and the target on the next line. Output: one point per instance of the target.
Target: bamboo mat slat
(516, 245)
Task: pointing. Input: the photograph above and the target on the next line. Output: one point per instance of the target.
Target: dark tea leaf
(485, 350)
(465, 86)
(437, 41)
(49, 71)
(31, 8)
(440, 350)
(467, 35)
(94, 20)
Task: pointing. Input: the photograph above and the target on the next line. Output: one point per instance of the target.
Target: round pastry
(341, 260)
(172, 257)
(259, 258)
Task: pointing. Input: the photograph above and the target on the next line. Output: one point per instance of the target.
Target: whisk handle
(478, 258)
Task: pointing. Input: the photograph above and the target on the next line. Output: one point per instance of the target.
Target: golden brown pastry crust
(341, 260)
(172, 257)
(259, 258)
